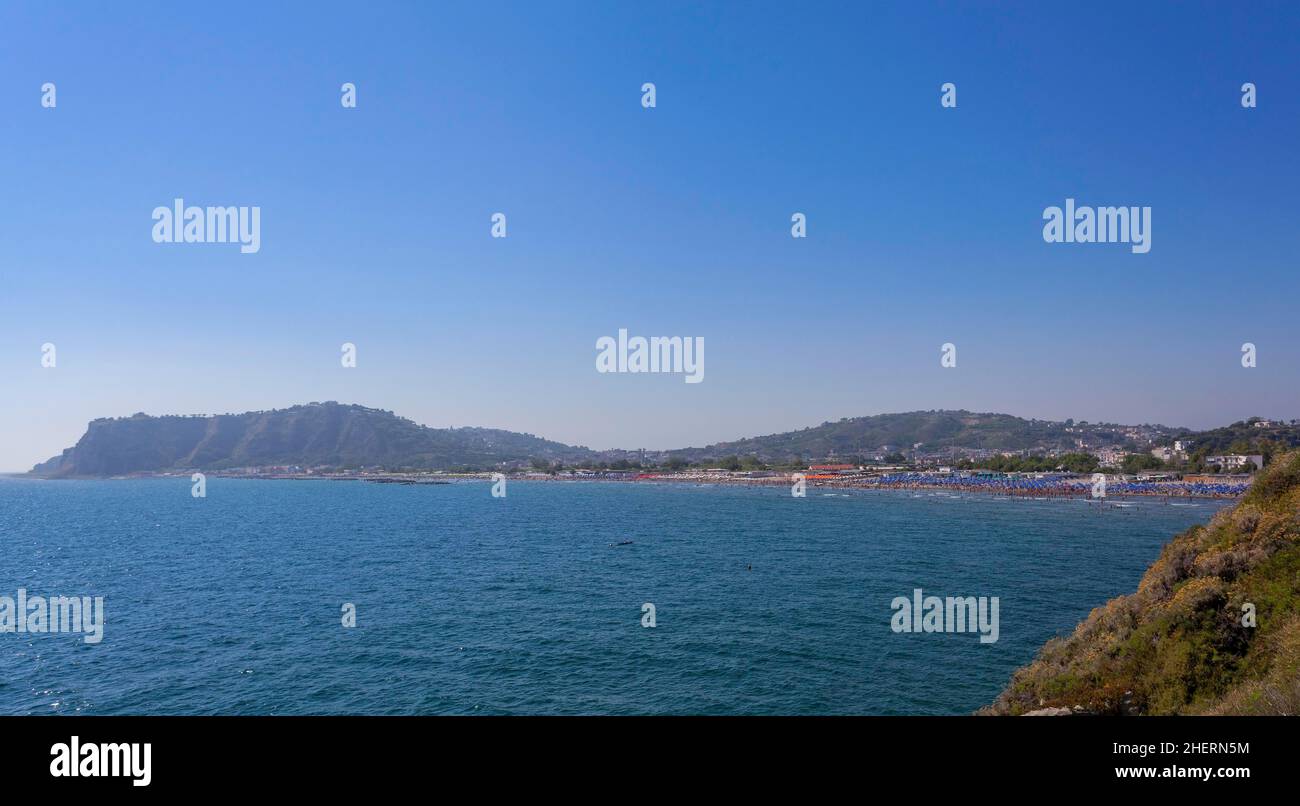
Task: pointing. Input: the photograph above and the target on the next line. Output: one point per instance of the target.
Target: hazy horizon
(924, 223)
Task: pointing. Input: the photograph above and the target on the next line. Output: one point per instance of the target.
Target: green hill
(1254, 435)
(348, 436)
(861, 436)
(318, 434)
(1180, 644)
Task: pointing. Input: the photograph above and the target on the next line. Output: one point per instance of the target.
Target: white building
(1236, 461)
(1164, 454)
(1111, 457)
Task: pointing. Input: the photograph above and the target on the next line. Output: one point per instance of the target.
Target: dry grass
(1178, 645)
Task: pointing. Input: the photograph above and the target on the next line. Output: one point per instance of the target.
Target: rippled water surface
(765, 604)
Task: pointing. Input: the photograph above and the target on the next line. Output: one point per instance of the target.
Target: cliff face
(330, 434)
(1183, 643)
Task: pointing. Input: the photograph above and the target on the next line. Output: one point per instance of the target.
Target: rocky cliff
(1214, 627)
(329, 434)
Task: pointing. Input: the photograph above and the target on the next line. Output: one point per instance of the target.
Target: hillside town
(1060, 459)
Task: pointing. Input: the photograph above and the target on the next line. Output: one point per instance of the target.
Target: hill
(1253, 435)
(1182, 643)
(329, 434)
(935, 430)
(350, 436)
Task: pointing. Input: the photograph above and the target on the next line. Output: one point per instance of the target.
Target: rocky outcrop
(1214, 626)
(317, 434)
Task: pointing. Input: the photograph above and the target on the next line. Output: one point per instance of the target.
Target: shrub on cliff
(1183, 643)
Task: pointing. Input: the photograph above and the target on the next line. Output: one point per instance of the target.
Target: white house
(1236, 461)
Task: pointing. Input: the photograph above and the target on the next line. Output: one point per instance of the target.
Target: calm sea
(466, 604)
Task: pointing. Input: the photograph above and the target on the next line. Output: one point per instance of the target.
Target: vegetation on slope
(1251, 436)
(857, 437)
(318, 434)
(1183, 644)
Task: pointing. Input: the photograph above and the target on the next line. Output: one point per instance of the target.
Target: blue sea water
(466, 604)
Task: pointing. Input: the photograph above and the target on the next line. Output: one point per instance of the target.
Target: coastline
(1012, 486)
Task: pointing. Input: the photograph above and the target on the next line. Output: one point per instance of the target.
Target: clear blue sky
(924, 224)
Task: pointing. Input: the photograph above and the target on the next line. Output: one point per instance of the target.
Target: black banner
(331, 754)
